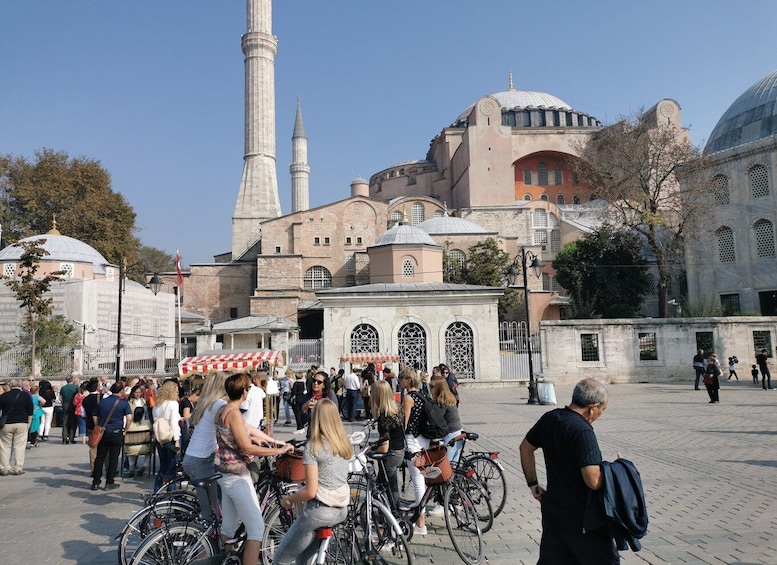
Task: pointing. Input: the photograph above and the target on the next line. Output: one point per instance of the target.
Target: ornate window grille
(412, 346)
(460, 350)
(364, 339)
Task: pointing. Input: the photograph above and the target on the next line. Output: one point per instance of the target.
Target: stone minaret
(258, 197)
(299, 168)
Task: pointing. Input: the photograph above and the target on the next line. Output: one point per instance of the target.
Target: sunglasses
(318, 382)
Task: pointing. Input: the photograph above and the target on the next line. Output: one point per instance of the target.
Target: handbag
(97, 431)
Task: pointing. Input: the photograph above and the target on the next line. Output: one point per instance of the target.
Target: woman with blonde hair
(167, 407)
(391, 428)
(326, 489)
(445, 399)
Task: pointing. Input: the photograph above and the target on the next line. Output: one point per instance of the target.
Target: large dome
(751, 117)
(60, 248)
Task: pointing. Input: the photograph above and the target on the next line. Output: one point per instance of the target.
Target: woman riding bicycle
(326, 490)
(236, 451)
(391, 429)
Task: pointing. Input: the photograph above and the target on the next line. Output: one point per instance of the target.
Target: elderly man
(16, 405)
(572, 461)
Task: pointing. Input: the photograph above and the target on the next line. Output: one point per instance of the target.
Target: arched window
(544, 197)
(539, 219)
(759, 181)
(726, 251)
(457, 256)
(317, 277)
(542, 174)
(408, 269)
(418, 214)
(364, 339)
(560, 199)
(411, 346)
(527, 197)
(720, 187)
(439, 213)
(395, 217)
(575, 199)
(460, 350)
(764, 238)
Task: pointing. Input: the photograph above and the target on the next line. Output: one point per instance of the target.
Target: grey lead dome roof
(403, 234)
(510, 99)
(60, 248)
(751, 117)
(449, 225)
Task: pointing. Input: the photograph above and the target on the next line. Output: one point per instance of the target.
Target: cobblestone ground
(709, 471)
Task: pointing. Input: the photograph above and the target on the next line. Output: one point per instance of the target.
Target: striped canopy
(369, 357)
(228, 361)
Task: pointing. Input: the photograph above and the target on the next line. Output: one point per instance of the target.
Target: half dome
(752, 116)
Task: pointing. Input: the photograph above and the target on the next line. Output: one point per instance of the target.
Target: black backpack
(432, 424)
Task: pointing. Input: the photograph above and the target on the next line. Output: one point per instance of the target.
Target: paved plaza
(709, 472)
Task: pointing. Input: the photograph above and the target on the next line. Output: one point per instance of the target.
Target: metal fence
(53, 361)
(303, 353)
(514, 351)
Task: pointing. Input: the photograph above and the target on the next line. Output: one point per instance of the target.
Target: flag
(178, 268)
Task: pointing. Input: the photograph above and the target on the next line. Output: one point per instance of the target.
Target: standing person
(114, 414)
(368, 379)
(762, 359)
(167, 408)
(286, 382)
(698, 366)
(339, 387)
(236, 451)
(47, 393)
(712, 379)
(319, 384)
(450, 378)
(391, 430)
(90, 408)
(732, 369)
(298, 391)
(572, 461)
(37, 415)
(17, 405)
(353, 384)
(66, 394)
(326, 491)
(424, 386)
(80, 412)
(413, 411)
(443, 397)
(388, 376)
(136, 453)
(149, 395)
(754, 373)
(253, 405)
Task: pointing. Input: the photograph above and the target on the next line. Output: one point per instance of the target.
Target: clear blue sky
(154, 88)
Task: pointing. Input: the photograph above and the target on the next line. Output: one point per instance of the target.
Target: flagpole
(178, 300)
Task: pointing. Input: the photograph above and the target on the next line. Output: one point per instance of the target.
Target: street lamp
(512, 276)
(155, 284)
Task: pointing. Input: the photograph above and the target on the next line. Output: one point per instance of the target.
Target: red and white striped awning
(367, 357)
(228, 361)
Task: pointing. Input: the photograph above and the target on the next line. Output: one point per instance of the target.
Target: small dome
(359, 180)
(449, 225)
(60, 248)
(403, 234)
(751, 117)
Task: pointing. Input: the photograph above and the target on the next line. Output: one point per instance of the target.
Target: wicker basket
(289, 466)
(434, 465)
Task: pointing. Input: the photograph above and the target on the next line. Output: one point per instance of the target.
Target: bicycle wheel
(389, 545)
(461, 519)
(178, 483)
(148, 519)
(491, 476)
(342, 545)
(276, 524)
(480, 498)
(178, 544)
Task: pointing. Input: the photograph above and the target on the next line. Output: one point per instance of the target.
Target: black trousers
(108, 452)
(560, 546)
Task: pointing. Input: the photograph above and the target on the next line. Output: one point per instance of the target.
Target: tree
(75, 190)
(486, 265)
(155, 260)
(604, 273)
(30, 290)
(656, 183)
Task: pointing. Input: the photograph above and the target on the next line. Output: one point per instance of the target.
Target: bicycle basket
(434, 465)
(289, 466)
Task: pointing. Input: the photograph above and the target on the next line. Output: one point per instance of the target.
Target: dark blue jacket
(619, 505)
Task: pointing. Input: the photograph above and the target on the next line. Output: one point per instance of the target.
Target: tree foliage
(77, 191)
(30, 290)
(656, 183)
(604, 274)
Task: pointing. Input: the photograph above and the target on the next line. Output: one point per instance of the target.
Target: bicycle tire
(148, 519)
(178, 544)
(462, 523)
(389, 545)
(480, 498)
(491, 476)
(342, 545)
(179, 483)
(276, 524)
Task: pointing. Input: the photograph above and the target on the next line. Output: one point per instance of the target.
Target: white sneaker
(300, 432)
(436, 510)
(420, 531)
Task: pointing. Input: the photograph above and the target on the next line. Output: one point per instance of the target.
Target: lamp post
(512, 275)
(155, 284)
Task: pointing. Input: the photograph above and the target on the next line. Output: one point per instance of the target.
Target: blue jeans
(699, 375)
(351, 400)
(300, 543)
(202, 468)
(766, 377)
(167, 457)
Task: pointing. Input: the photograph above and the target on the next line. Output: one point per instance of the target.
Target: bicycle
(488, 470)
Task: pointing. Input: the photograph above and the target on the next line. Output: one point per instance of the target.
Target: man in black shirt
(16, 404)
(763, 363)
(572, 461)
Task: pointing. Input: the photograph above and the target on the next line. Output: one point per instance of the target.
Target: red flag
(178, 268)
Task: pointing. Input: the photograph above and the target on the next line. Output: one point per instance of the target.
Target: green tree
(155, 260)
(604, 273)
(30, 290)
(656, 183)
(486, 265)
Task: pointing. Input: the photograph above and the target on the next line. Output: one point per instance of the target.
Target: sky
(153, 89)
